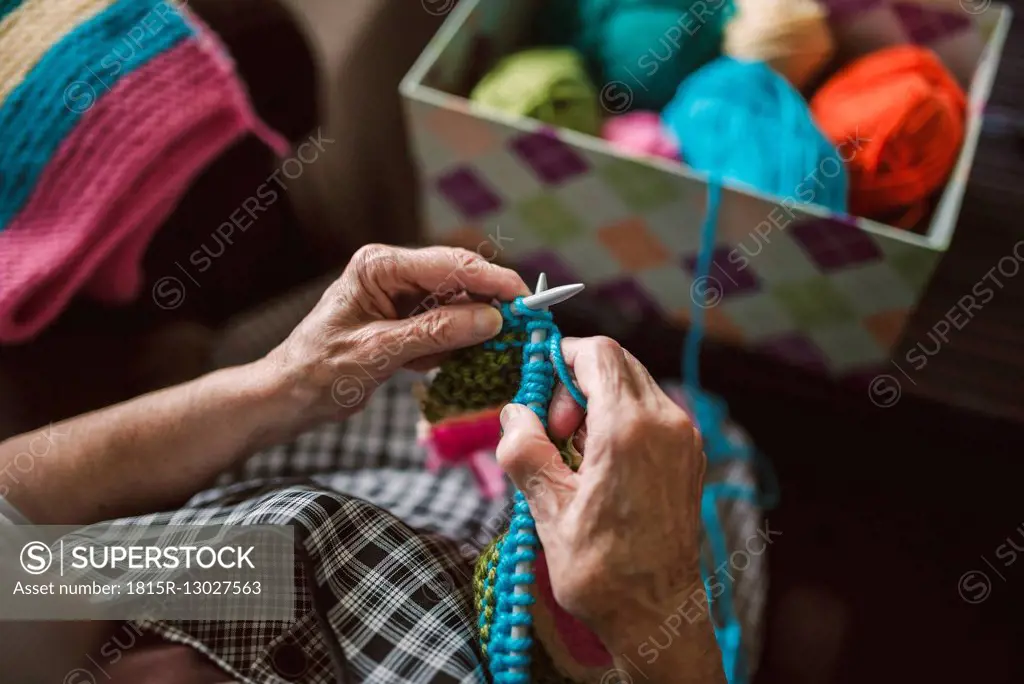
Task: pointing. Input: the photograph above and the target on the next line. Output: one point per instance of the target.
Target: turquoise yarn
(509, 657)
(743, 122)
(35, 118)
(711, 413)
(648, 46)
(652, 47)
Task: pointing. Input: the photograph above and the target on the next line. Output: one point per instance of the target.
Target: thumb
(533, 462)
(442, 329)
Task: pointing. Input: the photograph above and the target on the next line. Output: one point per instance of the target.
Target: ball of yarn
(652, 47)
(549, 84)
(744, 122)
(641, 133)
(901, 116)
(647, 46)
(791, 36)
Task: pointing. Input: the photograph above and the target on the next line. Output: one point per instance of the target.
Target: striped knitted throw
(108, 110)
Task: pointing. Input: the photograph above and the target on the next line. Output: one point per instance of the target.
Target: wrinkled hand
(621, 535)
(356, 338)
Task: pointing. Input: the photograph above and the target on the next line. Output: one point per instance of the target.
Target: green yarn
(549, 84)
(475, 379)
(484, 576)
(570, 456)
(542, 669)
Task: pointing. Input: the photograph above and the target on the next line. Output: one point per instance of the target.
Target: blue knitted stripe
(508, 657)
(80, 68)
(8, 6)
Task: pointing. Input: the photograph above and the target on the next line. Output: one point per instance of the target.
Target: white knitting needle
(540, 300)
(547, 298)
(542, 283)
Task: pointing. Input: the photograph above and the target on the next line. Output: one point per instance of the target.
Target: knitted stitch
(34, 127)
(32, 28)
(509, 657)
(103, 133)
(476, 378)
(489, 376)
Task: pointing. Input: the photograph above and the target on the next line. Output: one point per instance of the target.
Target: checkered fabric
(383, 589)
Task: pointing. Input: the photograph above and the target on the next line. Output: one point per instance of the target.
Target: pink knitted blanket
(109, 109)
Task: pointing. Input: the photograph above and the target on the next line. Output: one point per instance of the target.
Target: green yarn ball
(548, 84)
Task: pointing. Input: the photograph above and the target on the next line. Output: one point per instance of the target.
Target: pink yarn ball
(641, 133)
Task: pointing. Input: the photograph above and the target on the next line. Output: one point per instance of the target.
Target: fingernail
(487, 322)
(506, 414)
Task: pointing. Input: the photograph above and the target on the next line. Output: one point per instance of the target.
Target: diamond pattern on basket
(915, 267)
(887, 326)
(592, 215)
(552, 160)
(733, 278)
(549, 219)
(468, 192)
(627, 296)
(533, 264)
(813, 303)
(640, 187)
(635, 247)
(833, 244)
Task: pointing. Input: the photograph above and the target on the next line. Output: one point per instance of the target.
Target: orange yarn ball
(906, 113)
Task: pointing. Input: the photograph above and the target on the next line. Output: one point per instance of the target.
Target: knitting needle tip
(542, 283)
(555, 295)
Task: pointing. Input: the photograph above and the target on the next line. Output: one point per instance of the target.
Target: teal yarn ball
(652, 48)
(641, 47)
(744, 122)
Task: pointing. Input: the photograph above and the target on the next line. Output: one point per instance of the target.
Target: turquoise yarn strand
(509, 657)
(729, 633)
(711, 413)
(691, 356)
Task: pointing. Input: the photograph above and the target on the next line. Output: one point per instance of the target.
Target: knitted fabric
(507, 595)
(109, 111)
(476, 378)
(510, 367)
(28, 34)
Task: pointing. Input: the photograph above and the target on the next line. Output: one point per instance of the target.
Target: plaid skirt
(384, 591)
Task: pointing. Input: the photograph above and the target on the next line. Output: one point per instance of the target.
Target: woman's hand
(622, 535)
(356, 337)
(153, 452)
